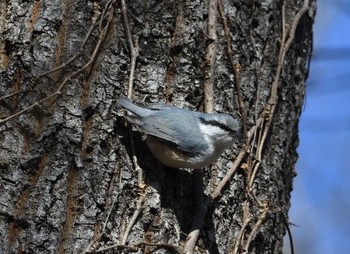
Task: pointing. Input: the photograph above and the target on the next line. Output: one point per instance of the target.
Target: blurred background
(321, 196)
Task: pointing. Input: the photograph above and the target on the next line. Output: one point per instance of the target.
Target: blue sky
(321, 195)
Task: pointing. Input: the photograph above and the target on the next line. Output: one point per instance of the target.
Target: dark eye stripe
(215, 123)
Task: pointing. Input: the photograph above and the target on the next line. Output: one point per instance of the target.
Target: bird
(179, 137)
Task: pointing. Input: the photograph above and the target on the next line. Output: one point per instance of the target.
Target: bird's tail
(128, 105)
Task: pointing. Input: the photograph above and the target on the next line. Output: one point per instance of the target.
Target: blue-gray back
(173, 125)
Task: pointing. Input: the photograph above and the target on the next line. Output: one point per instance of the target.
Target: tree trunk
(75, 179)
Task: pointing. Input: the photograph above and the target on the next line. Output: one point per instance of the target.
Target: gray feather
(133, 108)
(173, 128)
(169, 126)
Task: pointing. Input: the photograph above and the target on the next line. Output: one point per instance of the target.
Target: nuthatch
(181, 138)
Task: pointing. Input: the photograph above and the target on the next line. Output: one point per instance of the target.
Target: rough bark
(69, 180)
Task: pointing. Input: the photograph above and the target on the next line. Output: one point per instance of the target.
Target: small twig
(135, 247)
(107, 11)
(91, 248)
(93, 245)
(191, 241)
(255, 229)
(126, 26)
(281, 55)
(246, 220)
(215, 194)
(133, 47)
(294, 26)
(286, 224)
(210, 58)
(134, 52)
(137, 168)
(2, 98)
(67, 79)
(139, 171)
(137, 212)
(79, 53)
(258, 155)
(134, 55)
(109, 215)
(201, 208)
(255, 199)
(285, 45)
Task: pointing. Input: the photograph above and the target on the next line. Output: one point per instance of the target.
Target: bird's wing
(175, 128)
(127, 104)
(159, 127)
(158, 106)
